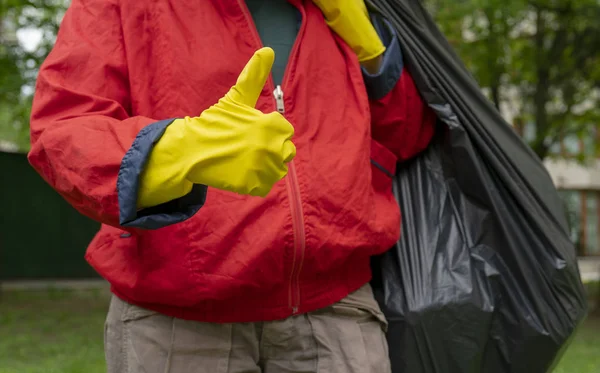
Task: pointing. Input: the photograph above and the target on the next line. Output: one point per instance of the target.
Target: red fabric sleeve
(402, 121)
(80, 125)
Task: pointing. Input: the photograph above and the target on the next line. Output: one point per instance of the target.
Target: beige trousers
(348, 337)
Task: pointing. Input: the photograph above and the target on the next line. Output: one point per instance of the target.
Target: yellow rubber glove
(350, 20)
(230, 146)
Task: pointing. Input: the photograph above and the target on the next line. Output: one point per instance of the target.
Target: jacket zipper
(293, 187)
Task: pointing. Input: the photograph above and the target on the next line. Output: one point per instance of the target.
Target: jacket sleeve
(401, 120)
(84, 141)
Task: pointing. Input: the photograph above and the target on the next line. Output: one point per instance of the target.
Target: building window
(571, 146)
(592, 224)
(572, 203)
(583, 215)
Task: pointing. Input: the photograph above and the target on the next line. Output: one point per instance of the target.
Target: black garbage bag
(484, 278)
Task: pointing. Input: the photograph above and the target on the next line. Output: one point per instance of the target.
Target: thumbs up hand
(239, 148)
(230, 146)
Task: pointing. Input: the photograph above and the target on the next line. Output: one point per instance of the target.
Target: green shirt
(278, 23)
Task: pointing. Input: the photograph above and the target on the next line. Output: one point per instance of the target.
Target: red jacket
(121, 69)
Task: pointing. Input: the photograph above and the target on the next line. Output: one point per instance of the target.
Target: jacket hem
(257, 309)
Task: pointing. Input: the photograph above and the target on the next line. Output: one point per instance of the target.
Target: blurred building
(574, 164)
(579, 186)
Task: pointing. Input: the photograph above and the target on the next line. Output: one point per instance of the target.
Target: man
(236, 237)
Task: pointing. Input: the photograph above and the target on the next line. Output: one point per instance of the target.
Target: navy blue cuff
(128, 183)
(380, 84)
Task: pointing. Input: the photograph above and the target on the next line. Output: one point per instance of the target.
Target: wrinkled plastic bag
(484, 278)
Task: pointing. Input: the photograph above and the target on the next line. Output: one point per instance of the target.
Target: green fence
(41, 236)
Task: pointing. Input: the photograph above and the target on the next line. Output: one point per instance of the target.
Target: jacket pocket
(383, 167)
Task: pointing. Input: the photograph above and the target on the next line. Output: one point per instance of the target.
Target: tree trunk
(493, 55)
(542, 86)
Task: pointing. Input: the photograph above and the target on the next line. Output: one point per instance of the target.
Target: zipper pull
(278, 93)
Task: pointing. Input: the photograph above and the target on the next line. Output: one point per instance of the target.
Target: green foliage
(18, 65)
(537, 58)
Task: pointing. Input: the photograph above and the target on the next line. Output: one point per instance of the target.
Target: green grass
(52, 332)
(62, 332)
(583, 355)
